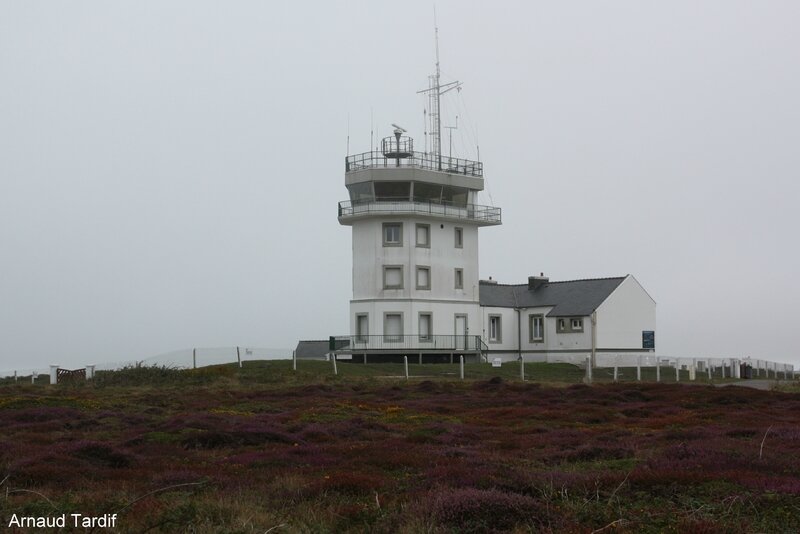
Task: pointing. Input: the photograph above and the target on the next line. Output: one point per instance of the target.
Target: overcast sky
(169, 171)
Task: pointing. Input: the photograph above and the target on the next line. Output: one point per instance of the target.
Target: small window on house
(561, 326)
(536, 328)
(495, 331)
(425, 327)
(423, 277)
(459, 237)
(576, 325)
(362, 328)
(459, 274)
(392, 234)
(423, 235)
(392, 277)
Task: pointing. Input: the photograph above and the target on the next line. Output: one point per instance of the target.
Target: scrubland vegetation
(227, 450)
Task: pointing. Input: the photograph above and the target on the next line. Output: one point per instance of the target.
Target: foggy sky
(169, 171)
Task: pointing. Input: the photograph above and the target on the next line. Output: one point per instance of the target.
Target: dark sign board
(648, 339)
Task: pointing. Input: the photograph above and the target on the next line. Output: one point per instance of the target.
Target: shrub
(476, 510)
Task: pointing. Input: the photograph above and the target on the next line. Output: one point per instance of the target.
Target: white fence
(696, 367)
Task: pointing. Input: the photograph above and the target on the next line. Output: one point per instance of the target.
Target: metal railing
(355, 344)
(473, 212)
(419, 160)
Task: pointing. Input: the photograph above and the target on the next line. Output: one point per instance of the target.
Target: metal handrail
(407, 341)
(492, 214)
(420, 160)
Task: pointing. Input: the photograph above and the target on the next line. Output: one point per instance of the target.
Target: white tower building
(415, 226)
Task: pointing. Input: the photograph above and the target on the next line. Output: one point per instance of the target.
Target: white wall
(369, 257)
(623, 316)
(443, 315)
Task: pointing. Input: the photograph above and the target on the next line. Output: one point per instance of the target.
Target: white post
(616, 372)
(333, 359)
(53, 374)
(588, 369)
(708, 369)
(194, 358)
(785, 374)
(677, 371)
(658, 369)
(294, 360)
(239, 357)
(15, 376)
(405, 364)
(522, 368)
(639, 369)
(34, 376)
(722, 367)
(89, 372)
(461, 366)
(693, 370)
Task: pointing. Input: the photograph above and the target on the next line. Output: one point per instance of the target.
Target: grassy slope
(230, 450)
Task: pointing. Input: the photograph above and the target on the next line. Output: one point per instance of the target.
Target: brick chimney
(535, 282)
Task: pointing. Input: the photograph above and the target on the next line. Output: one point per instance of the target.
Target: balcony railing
(419, 160)
(356, 344)
(473, 212)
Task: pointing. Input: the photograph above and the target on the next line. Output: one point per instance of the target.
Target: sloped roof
(572, 298)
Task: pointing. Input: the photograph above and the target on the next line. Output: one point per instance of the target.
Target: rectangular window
(362, 327)
(392, 234)
(425, 327)
(393, 327)
(536, 328)
(577, 325)
(392, 277)
(459, 237)
(459, 274)
(561, 326)
(423, 277)
(424, 235)
(495, 330)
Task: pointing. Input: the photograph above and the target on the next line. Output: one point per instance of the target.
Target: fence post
(239, 357)
(461, 365)
(708, 369)
(333, 359)
(785, 375)
(34, 376)
(693, 370)
(405, 365)
(639, 368)
(722, 367)
(294, 360)
(616, 372)
(522, 368)
(194, 358)
(658, 369)
(588, 369)
(15, 376)
(677, 371)
(53, 374)
(89, 372)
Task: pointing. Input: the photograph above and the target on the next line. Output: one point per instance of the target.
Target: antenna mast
(435, 91)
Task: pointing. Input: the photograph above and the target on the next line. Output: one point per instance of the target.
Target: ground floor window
(425, 327)
(495, 329)
(536, 328)
(393, 327)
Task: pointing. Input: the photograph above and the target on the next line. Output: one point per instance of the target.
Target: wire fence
(179, 359)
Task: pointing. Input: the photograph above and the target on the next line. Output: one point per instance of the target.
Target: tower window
(424, 235)
(393, 327)
(392, 234)
(459, 237)
(459, 274)
(392, 277)
(362, 327)
(423, 277)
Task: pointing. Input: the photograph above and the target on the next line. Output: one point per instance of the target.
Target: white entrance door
(461, 332)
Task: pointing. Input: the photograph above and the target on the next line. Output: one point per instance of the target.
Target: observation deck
(350, 210)
(415, 160)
